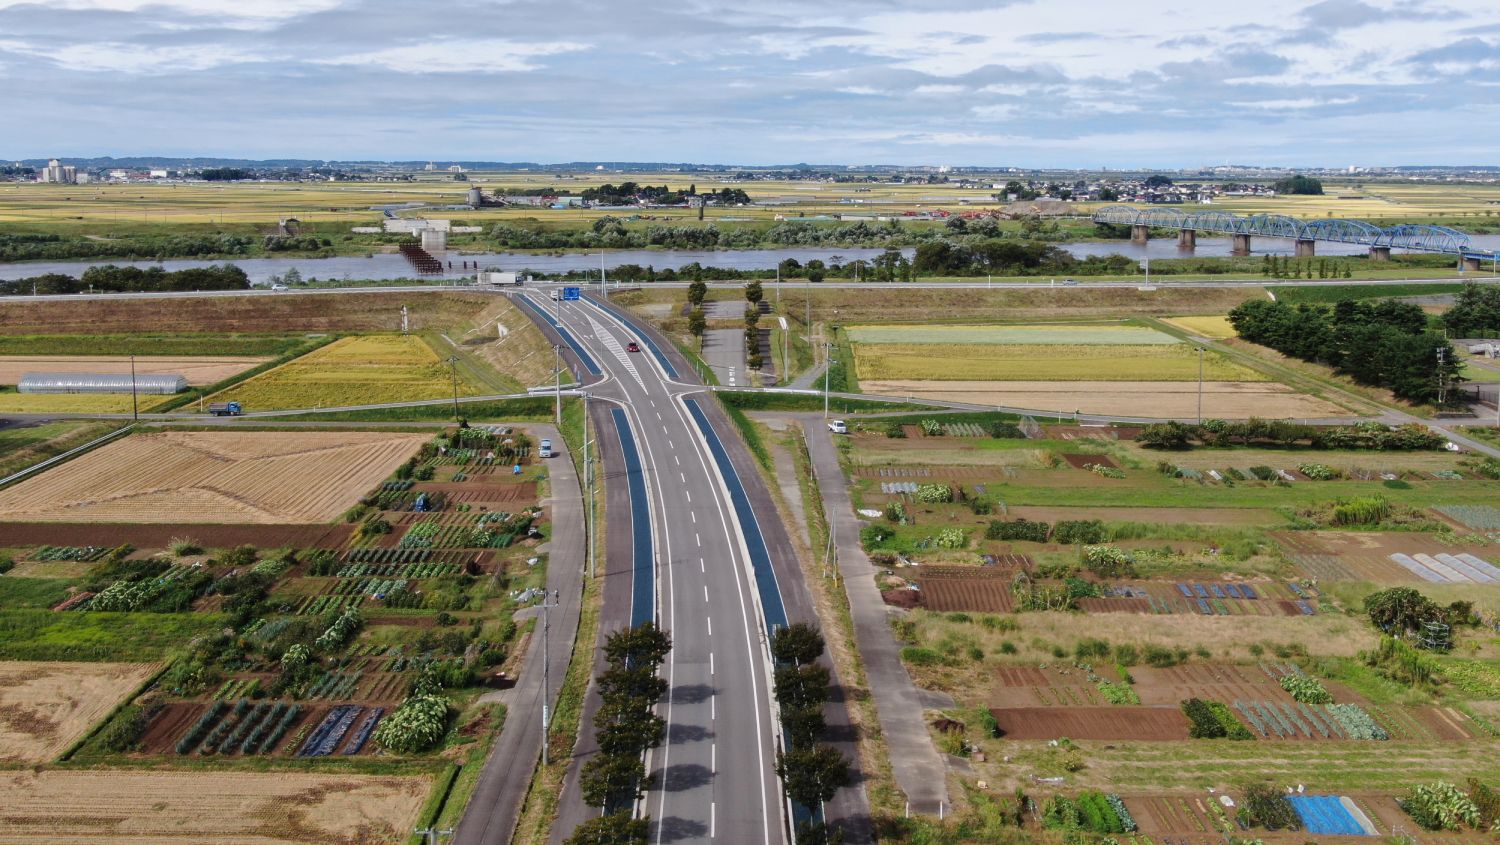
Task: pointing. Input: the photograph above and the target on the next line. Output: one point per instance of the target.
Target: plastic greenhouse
(157, 383)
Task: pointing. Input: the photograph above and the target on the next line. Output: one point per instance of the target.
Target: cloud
(1005, 82)
(491, 55)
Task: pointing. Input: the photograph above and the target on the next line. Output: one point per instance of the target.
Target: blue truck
(225, 409)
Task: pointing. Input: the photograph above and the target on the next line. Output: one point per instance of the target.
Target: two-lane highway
(713, 776)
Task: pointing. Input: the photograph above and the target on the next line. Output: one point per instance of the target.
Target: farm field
(317, 674)
(74, 403)
(1061, 368)
(1214, 328)
(1086, 334)
(1149, 399)
(363, 370)
(1018, 570)
(197, 370)
(156, 806)
(45, 707)
(1095, 362)
(211, 477)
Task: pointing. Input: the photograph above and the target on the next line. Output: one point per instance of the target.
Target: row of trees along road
(625, 727)
(1383, 344)
(811, 771)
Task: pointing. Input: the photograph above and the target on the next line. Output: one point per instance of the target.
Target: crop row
(82, 554)
(398, 570)
(130, 595)
(1329, 721)
(327, 735)
(246, 729)
(237, 688)
(372, 587)
(314, 605)
(336, 686)
(362, 733)
(388, 556)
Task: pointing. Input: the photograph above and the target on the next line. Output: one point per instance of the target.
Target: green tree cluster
(1385, 343)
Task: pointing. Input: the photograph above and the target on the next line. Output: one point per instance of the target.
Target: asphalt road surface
(693, 545)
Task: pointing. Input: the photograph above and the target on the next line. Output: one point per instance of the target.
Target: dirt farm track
(150, 808)
(212, 477)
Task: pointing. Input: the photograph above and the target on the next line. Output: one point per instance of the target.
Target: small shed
(152, 383)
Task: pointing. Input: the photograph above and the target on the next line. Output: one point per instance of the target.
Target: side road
(495, 807)
(919, 769)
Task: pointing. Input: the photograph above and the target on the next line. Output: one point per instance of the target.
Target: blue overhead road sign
(572, 294)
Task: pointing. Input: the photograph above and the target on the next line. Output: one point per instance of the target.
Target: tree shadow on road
(674, 828)
(685, 776)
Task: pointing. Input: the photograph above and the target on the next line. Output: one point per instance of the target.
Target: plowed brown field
(197, 370)
(45, 707)
(212, 477)
(1136, 723)
(93, 807)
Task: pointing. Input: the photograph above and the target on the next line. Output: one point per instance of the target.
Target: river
(393, 266)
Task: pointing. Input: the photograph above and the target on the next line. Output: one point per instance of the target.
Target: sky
(1025, 83)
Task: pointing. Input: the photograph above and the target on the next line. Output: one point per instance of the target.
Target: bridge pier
(1240, 245)
(1380, 253)
(1469, 262)
(1140, 234)
(1305, 248)
(1187, 239)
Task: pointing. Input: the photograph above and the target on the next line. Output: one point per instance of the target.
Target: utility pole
(135, 408)
(453, 371)
(557, 380)
(546, 670)
(1200, 385)
(827, 371)
(1442, 357)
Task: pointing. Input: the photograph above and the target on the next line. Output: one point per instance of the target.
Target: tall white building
(56, 171)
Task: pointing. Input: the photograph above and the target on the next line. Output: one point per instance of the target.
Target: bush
(416, 725)
(1020, 529)
(1168, 435)
(1090, 648)
(1108, 562)
(1079, 532)
(1212, 720)
(1318, 472)
(124, 730)
(1361, 510)
(952, 538)
(1126, 654)
(1306, 690)
(921, 656)
(1440, 806)
(933, 494)
(1159, 657)
(1265, 806)
(873, 536)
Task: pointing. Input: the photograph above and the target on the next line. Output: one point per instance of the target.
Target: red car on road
(632, 347)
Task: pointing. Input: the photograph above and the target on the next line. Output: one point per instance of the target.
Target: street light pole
(546, 670)
(453, 371)
(588, 485)
(557, 381)
(1200, 385)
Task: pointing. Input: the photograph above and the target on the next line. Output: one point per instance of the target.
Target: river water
(393, 266)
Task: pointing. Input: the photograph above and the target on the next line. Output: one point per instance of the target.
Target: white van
(545, 450)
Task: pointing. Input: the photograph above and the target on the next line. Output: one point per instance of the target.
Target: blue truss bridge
(1306, 233)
